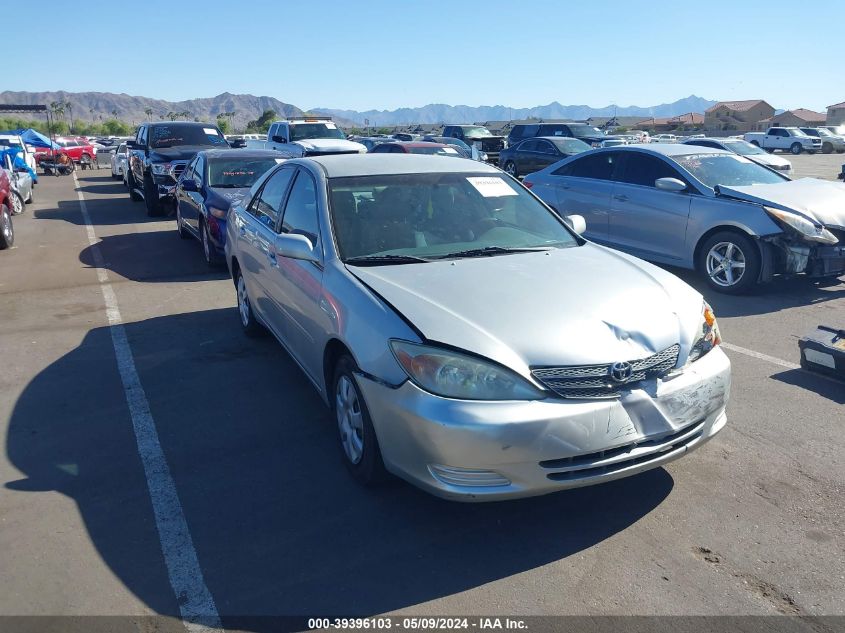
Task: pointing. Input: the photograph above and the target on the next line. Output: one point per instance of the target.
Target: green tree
(222, 123)
(116, 128)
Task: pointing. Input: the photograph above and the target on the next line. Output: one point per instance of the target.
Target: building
(739, 116)
(791, 118)
(688, 121)
(836, 114)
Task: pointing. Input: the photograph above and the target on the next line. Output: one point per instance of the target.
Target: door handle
(621, 197)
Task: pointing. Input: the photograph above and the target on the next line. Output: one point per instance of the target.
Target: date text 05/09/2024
(429, 623)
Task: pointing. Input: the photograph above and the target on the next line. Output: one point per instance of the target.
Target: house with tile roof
(739, 116)
(836, 114)
(791, 118)
(688, 121)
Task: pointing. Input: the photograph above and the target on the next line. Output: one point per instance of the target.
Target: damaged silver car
(735, 221)
(467, 338)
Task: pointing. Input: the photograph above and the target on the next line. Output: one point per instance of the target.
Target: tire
(251, 327)
(356, 435)
(154, 207)
(827, 148)
(796, 148)
(735, 247)
(180, 228)
(31, 197)
(85, 162)
(15, 203)
(212, 260)
(130, 183)
(510, 168)
(7, 230)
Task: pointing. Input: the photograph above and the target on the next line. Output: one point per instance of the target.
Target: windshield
(570, 145)
(476, 131)
(162, 136)
(237, 172)
(727, 169)
(448, 141)
(444, 151)
(823, 132)
(794, 131)
(432, 215)
(302, 131)
(743, 148)
(584, 130)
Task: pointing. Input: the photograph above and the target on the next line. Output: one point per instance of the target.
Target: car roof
(714, 139)
(669, 149)
(194, 123)
(242, 153)
(416, 144)
(344, 165)
(557, 138)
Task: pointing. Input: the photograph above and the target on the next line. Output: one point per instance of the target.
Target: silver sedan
(466, 338)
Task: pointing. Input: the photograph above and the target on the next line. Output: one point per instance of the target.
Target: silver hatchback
(467, 338)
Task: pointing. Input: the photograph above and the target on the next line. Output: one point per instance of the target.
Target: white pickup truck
(788, 139)
(307, 136)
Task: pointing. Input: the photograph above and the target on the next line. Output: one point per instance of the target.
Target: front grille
(594, 381)
(492, 144)
(622, 457)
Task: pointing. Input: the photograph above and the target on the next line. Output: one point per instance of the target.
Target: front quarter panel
(710, 212)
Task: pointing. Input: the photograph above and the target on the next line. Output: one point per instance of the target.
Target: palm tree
(114, 113)
(149, 112)
(91, 112)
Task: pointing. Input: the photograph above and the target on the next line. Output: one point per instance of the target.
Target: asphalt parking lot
(752, 523)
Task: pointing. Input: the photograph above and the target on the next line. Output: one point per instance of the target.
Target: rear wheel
(827, 148)
(180, 227)
(796, 148)
(130, 183)
(730, 262)
(7, 231)
(251, 327)
(357, 436)
(85, 162)
(510, 168)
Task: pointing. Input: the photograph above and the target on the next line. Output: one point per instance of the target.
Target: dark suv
(158, 155)
(587, 133)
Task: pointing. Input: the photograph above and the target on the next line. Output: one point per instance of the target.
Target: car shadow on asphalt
(153, 256)
(279, 526)
(780, 294)
(825, 386)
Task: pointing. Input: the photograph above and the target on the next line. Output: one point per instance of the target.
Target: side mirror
(238, 144)
(295, 246)
(278, 138)
(189, 184)
(132, 145)
(577, 223)
(670, 184)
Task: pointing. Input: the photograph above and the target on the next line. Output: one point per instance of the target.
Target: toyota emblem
(621, 371)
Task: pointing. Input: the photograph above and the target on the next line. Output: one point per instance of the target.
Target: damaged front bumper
(480, 451)
(793, 257)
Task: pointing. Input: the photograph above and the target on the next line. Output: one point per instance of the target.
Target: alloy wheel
(350, 419)
(206, 246)
(725, 264)
(243, 302)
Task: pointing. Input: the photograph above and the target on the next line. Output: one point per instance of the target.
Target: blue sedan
(211, 183)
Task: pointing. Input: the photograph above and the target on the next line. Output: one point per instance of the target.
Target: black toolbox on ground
(823, 351)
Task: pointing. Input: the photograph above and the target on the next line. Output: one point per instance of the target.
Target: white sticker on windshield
(279, 160)
(449, 150)
(331, 126)
(210, 130)
(491, 187)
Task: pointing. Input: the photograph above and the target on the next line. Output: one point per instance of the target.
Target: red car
(7, 233)
(76, 148)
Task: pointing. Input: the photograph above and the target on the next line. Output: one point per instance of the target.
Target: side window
(641, 169)
(517, 132)
(598, 166)
(528, 146)
(301, 209)
(531, 131)
(189, 170)
(266, 206)
(142, 135)
(199, 170)
(544, 147)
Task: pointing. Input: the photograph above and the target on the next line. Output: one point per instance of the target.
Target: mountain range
(90, 106)
(442, 113)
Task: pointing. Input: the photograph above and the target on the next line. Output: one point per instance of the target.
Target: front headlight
(707, 335)
(808, 230)
(450, 374)
(160, 169)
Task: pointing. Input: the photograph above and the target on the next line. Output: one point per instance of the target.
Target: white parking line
(195, 601)
(765, 357)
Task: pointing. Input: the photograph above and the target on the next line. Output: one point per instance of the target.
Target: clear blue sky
(385, 54)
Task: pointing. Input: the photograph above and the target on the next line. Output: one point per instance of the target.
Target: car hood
(768, 159)
(570, 306)
(330, 145)
(169, 154)
(820, 200)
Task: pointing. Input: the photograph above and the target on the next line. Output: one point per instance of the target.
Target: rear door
(524, 156)
(584, 187)
(256, 231)
(644, 220)
(545, 155)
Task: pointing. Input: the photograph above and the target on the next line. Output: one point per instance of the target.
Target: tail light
(528, 184)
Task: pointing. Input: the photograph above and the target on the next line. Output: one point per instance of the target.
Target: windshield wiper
(489, 251)
(229, 186)
(364, 260)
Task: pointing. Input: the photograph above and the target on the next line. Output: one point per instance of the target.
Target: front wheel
(212, 260)
(7, 231)
(15, 203)
(151, 197)
(796, 148)
(730, 262)
(357, 436)
(130, 184)
(180, 226)
(510, 168)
